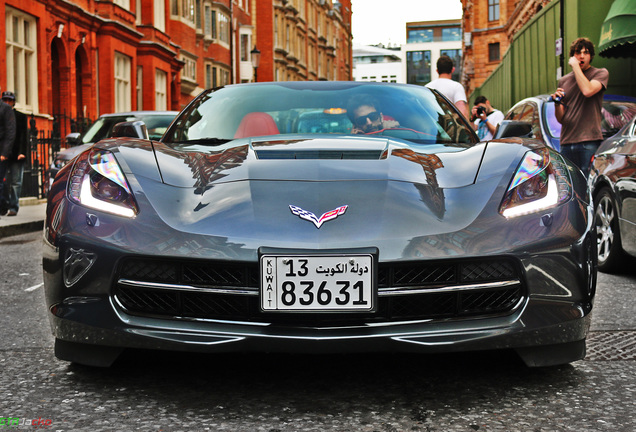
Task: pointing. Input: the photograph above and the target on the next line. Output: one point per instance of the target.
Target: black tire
(610, 251)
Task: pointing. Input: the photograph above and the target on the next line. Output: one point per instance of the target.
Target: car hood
(266, 192)
(327, 160)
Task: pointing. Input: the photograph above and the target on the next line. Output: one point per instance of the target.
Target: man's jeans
(12, 188)
(581, 154)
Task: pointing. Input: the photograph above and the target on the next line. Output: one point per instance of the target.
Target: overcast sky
(384, 21)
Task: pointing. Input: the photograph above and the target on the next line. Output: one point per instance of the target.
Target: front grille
(407, 290)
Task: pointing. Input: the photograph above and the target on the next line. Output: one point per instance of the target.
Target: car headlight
(98, 182)
(540, 182)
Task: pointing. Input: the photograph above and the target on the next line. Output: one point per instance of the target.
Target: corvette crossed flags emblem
(318, 221)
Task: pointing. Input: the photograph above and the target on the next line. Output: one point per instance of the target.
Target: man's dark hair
(444, 65)
(480, 99)
(582, 43)
(361, 100)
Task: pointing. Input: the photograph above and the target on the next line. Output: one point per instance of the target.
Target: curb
(29, 219)
(23, 228)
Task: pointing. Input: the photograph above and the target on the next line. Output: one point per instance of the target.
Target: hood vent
(320, 154)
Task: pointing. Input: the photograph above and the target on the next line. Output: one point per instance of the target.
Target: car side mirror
(133, 129)
(513, 128)
(73, 139)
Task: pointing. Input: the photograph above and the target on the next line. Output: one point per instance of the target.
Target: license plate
(317, 283)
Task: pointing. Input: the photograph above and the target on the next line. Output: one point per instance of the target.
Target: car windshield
(410, 113)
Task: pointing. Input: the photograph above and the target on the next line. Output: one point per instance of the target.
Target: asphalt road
(279, 393)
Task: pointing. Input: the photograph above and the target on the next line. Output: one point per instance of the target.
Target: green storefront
(531, 64)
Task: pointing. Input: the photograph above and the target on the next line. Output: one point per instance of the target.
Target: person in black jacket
(14, 162)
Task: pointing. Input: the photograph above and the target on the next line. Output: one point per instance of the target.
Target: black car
(319, 217)
(613, 182)
(156, 124)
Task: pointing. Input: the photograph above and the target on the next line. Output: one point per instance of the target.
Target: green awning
(618, 32)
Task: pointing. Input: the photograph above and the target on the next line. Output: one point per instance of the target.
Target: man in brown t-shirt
(579, 98)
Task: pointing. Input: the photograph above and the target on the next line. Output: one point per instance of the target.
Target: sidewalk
(30, 218)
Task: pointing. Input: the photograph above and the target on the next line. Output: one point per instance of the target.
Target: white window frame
(123, 65)
(161, 90)
(223, 28)
(184, 11)
(123, 3)
(160, 15)
(140, 88)
(189, 71)
(22, 58)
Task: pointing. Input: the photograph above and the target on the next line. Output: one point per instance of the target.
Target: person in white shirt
(453, 90)
(485, 118)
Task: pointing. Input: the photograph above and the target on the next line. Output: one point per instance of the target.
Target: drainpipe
(232, 42)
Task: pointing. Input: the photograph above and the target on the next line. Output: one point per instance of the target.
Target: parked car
(613, 182)
(156, 123)
(239, 232)
(538, 112)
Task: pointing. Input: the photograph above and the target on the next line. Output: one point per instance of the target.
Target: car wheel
(610, 253)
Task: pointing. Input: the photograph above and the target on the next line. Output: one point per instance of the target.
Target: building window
(245, 47)
(183, 10)
(123, 3)
(224, 28)
(22, 67)
(493, 52)
(493, 10)
(208, 76)
(209, 21)
(420, 35)
(189, 71)
(197, 13)
(122, 82)
(456, 56)
(451, 34)
(418, 67)
(140, 88)
(138, 17)
(160, 15)
(161, 90)
(224, 77)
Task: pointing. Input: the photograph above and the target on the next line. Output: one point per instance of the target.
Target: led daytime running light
(541, 182)
(549, 200)
(94, 181)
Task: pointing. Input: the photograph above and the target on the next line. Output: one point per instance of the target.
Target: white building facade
(377, 64)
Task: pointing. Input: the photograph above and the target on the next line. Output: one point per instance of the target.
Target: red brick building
(83, 58)
(488, 27)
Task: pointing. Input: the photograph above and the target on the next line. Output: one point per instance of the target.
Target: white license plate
(317, 283)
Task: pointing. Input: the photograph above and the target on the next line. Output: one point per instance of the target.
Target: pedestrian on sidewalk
(7, 137)
(578, 102)
(453, 90)
(10, 197)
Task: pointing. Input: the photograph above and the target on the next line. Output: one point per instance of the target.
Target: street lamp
(256, 59)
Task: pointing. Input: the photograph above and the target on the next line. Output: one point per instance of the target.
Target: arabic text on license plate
(316, 283)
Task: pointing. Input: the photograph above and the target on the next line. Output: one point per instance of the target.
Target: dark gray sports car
(320, 217)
